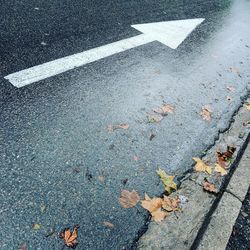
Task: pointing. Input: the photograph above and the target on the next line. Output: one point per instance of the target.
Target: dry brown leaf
(224, 158)
(154, 207)
(129, 199)
(220, 170)
(206, 113)
(111, 128)
(159, 215)
(170, 204)
(70, 239)
(151, 204)
(164, 109)
(200, 166)
(209, 187)
(230, 88)
(108, 224)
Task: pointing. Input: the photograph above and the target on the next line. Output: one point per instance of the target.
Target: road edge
(186, 230)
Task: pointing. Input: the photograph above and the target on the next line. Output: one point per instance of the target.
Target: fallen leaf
(164, 109)
(129, 199)
(206, 113)
(224, 158)
(154, 207)
(23, 246)
(168, 180)
(171, 204)
(154, 118)
(70, 239)
(231, 88)
(108, 224)
(247, 105)
(111, 128)
(136, 158)
(200, 166)
(220, 170)
(36, 226)
(159, 215)
(209, 187)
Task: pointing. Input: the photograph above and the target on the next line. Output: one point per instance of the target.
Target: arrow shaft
(58, 66)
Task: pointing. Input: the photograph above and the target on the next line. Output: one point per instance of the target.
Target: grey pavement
(53, 136)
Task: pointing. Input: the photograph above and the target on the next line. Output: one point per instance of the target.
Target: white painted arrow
(171, 33)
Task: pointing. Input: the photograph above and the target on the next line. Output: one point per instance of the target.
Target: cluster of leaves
(220, 167)
(159, 113)
(158, 207)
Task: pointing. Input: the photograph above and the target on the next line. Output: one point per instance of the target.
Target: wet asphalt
(53, 136)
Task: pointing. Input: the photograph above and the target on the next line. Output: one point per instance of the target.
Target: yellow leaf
(36, 226)
(220, 169)
(200, 166)
(168, 180)
(247, 105)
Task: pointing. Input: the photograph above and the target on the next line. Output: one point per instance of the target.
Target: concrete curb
(185, 230)
(223, 219)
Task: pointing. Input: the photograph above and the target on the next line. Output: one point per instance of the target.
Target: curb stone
(221, 225)
(179, 230)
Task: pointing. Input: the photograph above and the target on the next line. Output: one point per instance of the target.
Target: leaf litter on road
(210, 187)
(206, 112)
(154, 207)
(129, 199)
(164, 109)
(168, 180)
(220, 169)
(108, 224)
(200, 166)
(70, 239)
(112, 128)
(159, 208)
(224, 158)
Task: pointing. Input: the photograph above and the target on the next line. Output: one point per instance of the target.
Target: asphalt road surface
(59, 164)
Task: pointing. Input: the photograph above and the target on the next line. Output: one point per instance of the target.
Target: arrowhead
(170, 33)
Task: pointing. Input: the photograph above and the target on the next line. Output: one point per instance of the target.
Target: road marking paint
(170, 33)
